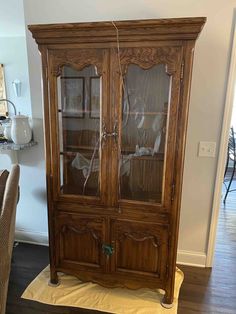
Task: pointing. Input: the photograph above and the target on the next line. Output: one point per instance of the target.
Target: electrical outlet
(207, 149)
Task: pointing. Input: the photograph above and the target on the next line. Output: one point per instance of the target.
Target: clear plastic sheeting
(72, 292)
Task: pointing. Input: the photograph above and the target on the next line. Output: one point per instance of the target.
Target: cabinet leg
(167, 301)
(53, 281)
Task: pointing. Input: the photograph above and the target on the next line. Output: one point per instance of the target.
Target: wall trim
(222, 153)
(31, 236)
(191, 258)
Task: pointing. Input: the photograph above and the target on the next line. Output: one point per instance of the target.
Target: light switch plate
(207, 149)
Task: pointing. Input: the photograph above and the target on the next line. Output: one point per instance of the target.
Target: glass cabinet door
(78, 152)
(143, 135)
(79, 101)
(148, 85)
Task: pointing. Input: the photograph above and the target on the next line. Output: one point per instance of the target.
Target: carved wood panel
(148, 57)
(140, 249)
(76, 58)
(79, 241)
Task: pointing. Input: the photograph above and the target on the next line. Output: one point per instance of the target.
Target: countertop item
(21, 132)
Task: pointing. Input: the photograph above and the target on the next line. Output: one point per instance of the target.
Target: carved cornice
(129, 31)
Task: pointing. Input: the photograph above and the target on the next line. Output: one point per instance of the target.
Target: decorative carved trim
(82, 220)
(78, 59)
(149, 57)
(83, 229)
(140, 237)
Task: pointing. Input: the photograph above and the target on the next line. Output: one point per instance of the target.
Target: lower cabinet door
(140, 249)
(79, 240)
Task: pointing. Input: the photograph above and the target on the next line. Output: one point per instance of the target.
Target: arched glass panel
(143, 140)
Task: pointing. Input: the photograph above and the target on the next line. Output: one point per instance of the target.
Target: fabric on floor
(72, 292)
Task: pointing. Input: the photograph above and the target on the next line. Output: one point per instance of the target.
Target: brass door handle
(107, 249)
(106, 134)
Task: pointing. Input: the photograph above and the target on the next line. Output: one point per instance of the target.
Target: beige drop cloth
(72, 292)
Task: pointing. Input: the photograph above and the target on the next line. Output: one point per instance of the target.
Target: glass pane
(79, 103)
(144, 116)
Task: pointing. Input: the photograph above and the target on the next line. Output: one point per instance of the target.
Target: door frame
(229, 99)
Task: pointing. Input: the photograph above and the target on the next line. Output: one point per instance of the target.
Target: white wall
(207, 96)
(16, 67)
(31, 220)
(12, 18)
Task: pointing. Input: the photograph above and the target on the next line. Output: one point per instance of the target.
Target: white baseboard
(191, 258)
(31, 236)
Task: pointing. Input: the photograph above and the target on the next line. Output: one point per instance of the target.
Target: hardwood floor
(28, 261)
(214, 290)
(203, 291)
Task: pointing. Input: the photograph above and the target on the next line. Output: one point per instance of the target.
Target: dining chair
(7, 229)
(230, 163)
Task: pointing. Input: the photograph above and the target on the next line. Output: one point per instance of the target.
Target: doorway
(229, 105)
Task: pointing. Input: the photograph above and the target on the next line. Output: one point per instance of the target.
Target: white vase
(20, 131)
(7, 131)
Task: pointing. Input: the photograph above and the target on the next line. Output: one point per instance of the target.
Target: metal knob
(107, 249)
(106, 134)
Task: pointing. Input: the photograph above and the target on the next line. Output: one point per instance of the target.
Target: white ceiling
(12, 18)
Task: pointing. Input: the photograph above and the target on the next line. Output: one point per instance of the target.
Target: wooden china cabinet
(115, 107)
